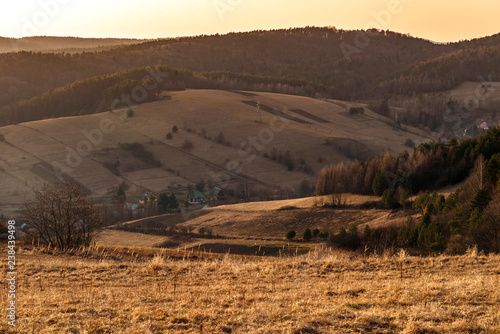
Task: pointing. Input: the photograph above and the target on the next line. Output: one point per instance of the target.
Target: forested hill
(61, 44)
(469, 216)
(341, 64)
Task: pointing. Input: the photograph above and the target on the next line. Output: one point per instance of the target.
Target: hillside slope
(308, 133)
(315, 55)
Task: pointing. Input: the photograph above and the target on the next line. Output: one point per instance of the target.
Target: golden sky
(437, 20)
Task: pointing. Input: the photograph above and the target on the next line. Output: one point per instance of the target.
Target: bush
(408, 234)
(200, 186)
(410, 143)
(169, 136)
(316, 232)
(290, 234)
(130, 113)
(356, 111)
(348, 238)
(323, 235)
(187, 144)
(307, 235)
(221, 138)
(175, 129)
(139, 151)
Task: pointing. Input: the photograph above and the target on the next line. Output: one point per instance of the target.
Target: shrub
(316, 232)
(130, 113)
(356, 111)
(307, 235)
(200, 186)
(221, 138)
(323, 235)
(187, 144)
(410, 143)
(348, 238)
(139, 151)
(175, 129)
(290, 234)
(169, 136)
(408, 234)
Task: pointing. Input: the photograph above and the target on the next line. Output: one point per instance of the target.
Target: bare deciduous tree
(62, 215)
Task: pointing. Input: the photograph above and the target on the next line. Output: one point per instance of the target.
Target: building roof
(196, 195)
(215, 191)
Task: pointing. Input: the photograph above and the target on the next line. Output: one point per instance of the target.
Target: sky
(436, 20)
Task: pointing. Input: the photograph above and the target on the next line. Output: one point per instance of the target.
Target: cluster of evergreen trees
(167, 203)
(470, 216)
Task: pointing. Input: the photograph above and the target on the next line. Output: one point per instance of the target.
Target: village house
(196, 198)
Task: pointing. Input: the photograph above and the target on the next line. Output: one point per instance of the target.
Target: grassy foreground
(325, 291)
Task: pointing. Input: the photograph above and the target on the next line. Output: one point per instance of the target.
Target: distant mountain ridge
(331, 62)
(61, 44)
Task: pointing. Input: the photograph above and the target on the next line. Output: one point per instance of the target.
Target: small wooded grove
(468, 217)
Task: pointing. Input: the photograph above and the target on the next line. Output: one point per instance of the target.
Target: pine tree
(307, 235)
(480, 200)
(163, 202)
(172, 202)
(379, 184)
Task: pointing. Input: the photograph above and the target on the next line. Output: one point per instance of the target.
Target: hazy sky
(437, 20)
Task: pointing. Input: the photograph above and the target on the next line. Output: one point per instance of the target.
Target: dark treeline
(447, 72)
(140, 85)
(61, 44)
(328, 58)
(470, 216)
(431, 165)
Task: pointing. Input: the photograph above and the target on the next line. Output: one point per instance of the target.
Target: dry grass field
(272, 219)
(466, 90)
(122, 238)
(322, 133)
(325, 291)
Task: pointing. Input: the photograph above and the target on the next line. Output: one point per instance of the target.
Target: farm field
(90, 149)
(325, 291)
(271, 220)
